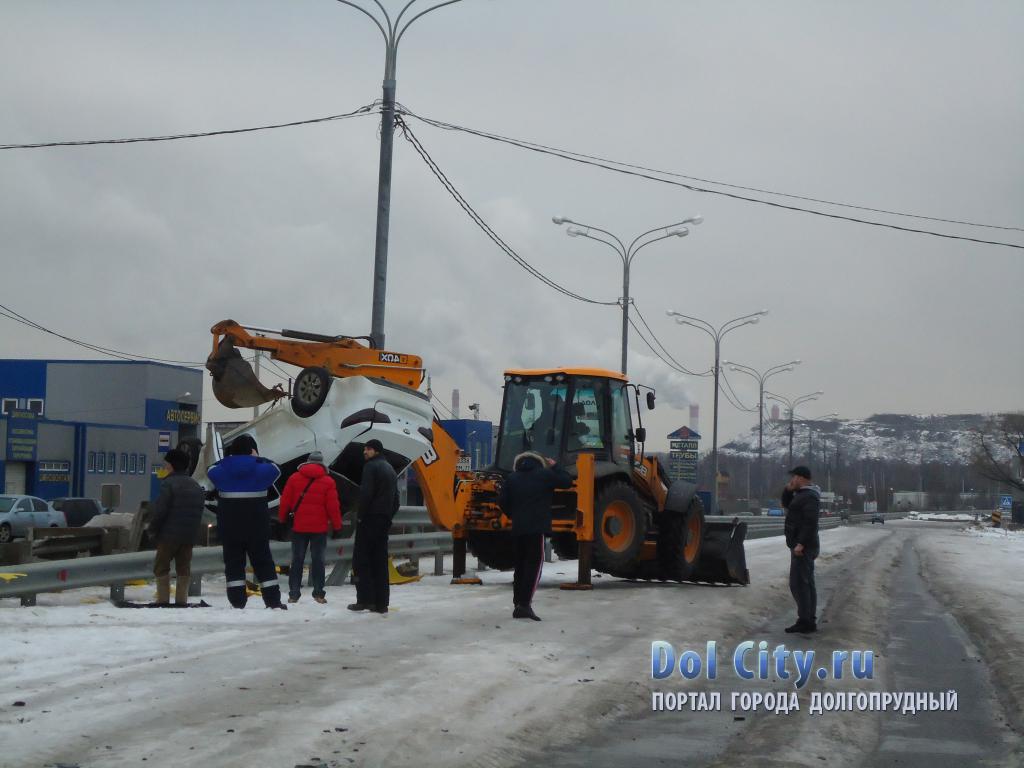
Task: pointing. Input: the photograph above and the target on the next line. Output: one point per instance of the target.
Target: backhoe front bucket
(722, 558)
(234, 382)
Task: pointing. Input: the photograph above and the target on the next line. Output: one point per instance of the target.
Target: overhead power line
(10, 314)
(366, 109)
(483, 225)
(682, 368)
(630, 169)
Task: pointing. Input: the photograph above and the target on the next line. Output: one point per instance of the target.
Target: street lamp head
(560, 220)
(680, 232)
(575, 231)
(795, 362)
(698, 219)
(763, 312)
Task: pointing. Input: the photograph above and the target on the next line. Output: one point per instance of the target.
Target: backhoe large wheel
(680, 540)
(619, 529)
(310, 391)
(565, 546)
(494, 549)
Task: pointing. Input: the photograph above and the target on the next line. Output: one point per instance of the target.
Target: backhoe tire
(680, 539)
(619, 529)
(496, 549)
(310, 391)
(565, 546)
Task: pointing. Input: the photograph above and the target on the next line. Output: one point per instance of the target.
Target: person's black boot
(798, 627)
(358, 607)
(809, 628)
(519, 613)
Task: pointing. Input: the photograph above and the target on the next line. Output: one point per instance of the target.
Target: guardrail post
(339, 573)
(117, 593)
(547, 550)
(195, 585)
(28, 600)
(439, 563)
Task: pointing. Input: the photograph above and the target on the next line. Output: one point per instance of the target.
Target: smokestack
(775, 413)
(455, 403)
(695, 418)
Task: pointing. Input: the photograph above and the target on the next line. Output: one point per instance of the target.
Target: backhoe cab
(623, 514)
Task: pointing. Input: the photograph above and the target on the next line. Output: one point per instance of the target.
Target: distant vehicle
(19, 513)
(78, 511)
(877, 518)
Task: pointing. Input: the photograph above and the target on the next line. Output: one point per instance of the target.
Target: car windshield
(6, 502)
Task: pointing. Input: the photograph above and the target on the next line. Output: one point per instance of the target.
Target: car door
(21, 517)
(41, 515)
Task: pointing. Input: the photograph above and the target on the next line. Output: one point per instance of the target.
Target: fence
(28, 580)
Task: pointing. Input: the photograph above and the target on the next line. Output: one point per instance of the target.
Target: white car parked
(19, 513)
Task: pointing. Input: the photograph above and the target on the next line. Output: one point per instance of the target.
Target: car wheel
(310, 391)
(5, 533)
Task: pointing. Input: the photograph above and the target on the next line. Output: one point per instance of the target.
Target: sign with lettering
(22, 436)
(181, 416)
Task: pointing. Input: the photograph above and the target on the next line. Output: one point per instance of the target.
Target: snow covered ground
(448, 678)
(979, 574)
(947, 517)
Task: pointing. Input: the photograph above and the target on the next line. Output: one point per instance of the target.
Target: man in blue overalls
(242, 478)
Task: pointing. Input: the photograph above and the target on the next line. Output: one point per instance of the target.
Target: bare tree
(997, 453)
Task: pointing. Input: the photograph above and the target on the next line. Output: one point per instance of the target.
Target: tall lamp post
(761, 378)
(392, 32)
(791, 407)
(627, 254)
(717, 334)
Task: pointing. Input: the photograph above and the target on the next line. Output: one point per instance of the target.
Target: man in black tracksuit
(525, 499)
(243, 520)
(378, 503)
(801, 500)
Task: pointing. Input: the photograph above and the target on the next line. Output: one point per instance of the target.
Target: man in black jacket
(525, 499)
(802, 502)
(378, 503)
(173, 525)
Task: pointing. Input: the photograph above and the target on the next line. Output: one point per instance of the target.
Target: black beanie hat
(375, 445)
(243, 445)
(177, 459)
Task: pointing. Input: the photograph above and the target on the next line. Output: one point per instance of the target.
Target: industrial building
(69, 427)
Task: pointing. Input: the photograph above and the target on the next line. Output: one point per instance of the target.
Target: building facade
(69, 427)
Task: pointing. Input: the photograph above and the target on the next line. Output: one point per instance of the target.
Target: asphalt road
(920, 647)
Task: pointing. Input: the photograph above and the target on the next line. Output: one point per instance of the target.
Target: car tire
(6, 534)
(310, 391)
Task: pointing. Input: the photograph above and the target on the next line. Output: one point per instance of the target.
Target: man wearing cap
(310, 499)
(378, 503)
(242, 479)
(801, 499)
(173, 525)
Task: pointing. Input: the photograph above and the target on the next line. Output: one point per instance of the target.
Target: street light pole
(761, 378)
(392, 32)
(717, 334)
(627, 254)
(791, 406)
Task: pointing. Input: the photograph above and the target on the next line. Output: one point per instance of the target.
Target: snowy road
(449, 679)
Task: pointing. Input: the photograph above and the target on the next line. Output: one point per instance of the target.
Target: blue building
(474, 438)
(68, 427)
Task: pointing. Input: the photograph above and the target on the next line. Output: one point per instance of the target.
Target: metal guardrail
(28, 580)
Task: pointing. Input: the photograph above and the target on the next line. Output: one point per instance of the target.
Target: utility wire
(633, 170)
(366, 109)
(679, 365)
(441, 403)
(478, 220)
(10, 314)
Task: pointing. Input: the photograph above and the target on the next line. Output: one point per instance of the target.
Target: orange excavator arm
(341, 356)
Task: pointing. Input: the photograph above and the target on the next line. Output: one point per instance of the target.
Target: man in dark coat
(243, 519)
(525, 498)
(311, 498)
(378, 503)
(173, 525)
(801, 500)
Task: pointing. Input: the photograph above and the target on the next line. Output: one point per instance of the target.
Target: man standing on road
(243, 519)
(177, 512)
(525, 499)
(801, 500)
(310, 498)
(378, 503)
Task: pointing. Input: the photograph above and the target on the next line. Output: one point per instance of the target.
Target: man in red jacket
(311, 498)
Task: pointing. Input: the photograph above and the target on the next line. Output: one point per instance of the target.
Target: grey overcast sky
(915, 105)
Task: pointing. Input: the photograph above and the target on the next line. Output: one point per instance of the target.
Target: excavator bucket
(234, 382)
(723, 559)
